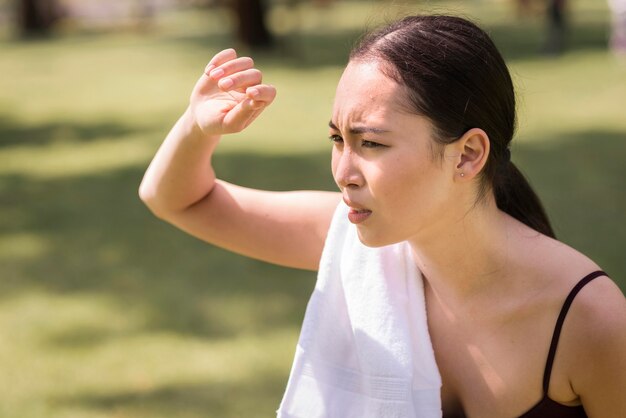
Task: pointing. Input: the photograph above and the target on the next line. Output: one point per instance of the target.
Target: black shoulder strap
(559, 325)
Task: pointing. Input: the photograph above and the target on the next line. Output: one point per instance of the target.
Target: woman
(440, 281)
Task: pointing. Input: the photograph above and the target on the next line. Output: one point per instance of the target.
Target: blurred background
(106, 311)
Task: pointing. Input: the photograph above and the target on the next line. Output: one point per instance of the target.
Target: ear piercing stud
(462, 174)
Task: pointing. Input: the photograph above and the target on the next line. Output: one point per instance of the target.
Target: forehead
(364, 92)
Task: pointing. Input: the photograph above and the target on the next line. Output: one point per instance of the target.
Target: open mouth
(357, 216)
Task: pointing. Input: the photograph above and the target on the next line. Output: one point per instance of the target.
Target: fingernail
(217, 73)
(208, 69)
(225, 83)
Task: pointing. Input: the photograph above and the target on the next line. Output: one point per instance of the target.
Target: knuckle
(256, 75)
(248, 78)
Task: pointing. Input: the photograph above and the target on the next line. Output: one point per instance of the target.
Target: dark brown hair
(456, 77)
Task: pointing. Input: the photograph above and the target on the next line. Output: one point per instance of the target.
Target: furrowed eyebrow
(357, 130)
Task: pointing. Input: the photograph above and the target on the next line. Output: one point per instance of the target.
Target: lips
(358, 216)
(357, 213)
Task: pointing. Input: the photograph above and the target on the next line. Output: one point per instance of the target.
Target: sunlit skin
(493, 285)
(382, 159)
(385, 164)
(473, 256)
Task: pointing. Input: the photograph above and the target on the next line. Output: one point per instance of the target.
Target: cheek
(406, 175)
(409, 187)
(394, 188)
(334, 161)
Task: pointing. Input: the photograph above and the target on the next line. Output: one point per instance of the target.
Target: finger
(243, 114)
(261, 93)
(231, 67)
(220, 58)
(205, 82)
(235, 120)
(241, 80)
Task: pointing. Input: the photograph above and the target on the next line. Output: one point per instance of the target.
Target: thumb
(240, 116)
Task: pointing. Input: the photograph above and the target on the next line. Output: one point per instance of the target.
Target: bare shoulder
(590, 362)
(599, 313)
(598, 310)
(595, 341)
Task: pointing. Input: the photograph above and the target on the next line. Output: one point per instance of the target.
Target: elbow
(146, 193)
(159, 205)
(149, 197)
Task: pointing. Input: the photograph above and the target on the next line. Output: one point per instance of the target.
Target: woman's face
(383, 160)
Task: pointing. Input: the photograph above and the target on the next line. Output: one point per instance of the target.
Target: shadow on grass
(523, 40)
(580, 179)
(13, 132)
(330, 47)
(96, 236)
(217, 399)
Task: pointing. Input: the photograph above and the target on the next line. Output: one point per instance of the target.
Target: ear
(472, 152)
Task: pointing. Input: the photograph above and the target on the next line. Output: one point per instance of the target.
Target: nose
(346, 170)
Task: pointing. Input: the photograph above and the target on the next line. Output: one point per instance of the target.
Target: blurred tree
(252, 28)
(37, 17)
(557, 26)
(251, 24)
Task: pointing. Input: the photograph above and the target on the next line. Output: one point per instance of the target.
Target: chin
(374, 240)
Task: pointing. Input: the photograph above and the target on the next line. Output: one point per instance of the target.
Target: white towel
(364, 349)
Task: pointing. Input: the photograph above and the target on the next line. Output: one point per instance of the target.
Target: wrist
(193, 131)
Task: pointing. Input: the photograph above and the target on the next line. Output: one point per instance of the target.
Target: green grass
(107, 312)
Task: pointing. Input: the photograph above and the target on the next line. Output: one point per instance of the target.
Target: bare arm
(180, 186)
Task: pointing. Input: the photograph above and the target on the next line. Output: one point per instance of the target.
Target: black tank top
(546, 407)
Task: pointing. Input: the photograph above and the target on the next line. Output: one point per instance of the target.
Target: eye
(336, 139)
(371, 144)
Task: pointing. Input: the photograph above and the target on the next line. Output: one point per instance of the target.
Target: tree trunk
(251, 27)
(557, 27)
(37, 17)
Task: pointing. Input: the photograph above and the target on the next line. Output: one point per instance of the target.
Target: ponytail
(515, 196)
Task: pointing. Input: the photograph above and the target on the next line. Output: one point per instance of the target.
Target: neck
(466, 256)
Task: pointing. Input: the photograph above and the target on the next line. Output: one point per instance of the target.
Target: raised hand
(229, 95)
